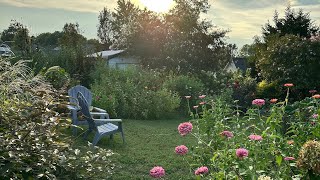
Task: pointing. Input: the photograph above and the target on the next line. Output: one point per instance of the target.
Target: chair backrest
(85, 111)
(73, 92)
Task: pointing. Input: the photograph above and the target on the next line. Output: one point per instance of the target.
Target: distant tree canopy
(178, 40)
(48, 39)
(71, 36)
(295, 23)
(9, 33)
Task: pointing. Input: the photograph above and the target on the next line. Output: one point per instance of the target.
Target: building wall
(121, 62)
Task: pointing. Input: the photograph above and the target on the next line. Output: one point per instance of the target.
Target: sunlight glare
(159, 6)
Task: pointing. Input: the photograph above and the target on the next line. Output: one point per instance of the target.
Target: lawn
(148, 144)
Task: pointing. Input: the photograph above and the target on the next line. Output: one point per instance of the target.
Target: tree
(296, 23)
(22, 41)
(8, 34)
(48, 39)
(179, 40)
(71, 36)
(105, 31)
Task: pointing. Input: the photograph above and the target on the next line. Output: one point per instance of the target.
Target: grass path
(148, 144)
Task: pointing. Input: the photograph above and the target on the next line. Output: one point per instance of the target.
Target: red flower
(288, 85)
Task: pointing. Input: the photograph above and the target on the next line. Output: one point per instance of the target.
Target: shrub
(57, 76)
(266, 89)
(132, 93)
(31, 139)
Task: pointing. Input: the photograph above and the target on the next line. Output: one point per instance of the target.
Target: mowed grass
(148, 144)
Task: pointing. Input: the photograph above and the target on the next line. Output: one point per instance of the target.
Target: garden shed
(116, 58)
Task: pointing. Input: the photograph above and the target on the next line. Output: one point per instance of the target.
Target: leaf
(279, 160)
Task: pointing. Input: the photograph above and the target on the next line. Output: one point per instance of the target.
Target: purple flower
(258, 102)
(181, 150)
(227, 134)
(255, 137)
(241, 153)
(185, 128)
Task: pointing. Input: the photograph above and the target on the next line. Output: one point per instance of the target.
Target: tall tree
(296, 23)
(71, 36)
(48, 39)
(9, 33)
(22, 41)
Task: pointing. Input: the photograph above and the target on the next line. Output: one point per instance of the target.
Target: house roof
(106, 54)
(240, 63)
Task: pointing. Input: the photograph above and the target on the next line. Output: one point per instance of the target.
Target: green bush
(266, 89)
(57, 76)
(31, 125)
(132, 93)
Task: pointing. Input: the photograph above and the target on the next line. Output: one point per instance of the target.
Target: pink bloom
(288, 85)
(255, 137)
(195, 107)
(313, 123)
(181, 150)
(187, 97)
(316, 96)
(273, 100)
(289, 158)
(185, 128)
(258, 102)
(202, 103)
(202, 96)
(315, 116)
(227, 134)
(201, 170)
(157, 172)
(312, 91)
(241, 153)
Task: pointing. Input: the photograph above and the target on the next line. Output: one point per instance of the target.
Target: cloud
(93, 6)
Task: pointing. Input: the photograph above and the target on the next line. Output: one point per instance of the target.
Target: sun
(159, 6)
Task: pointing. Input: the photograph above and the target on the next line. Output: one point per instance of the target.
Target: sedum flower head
(309, 157)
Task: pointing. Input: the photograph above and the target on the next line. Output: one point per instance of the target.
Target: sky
(243, 18)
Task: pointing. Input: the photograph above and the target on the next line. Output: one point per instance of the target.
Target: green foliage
(294, 23)
(132, 93)
(215, 82)
(290, 59)
(48, 39)
(31, 123)
(8, 34)
(162, 40)
(244, 88)
(71, 37)
(57, 76)
(266, 89)
(267, 155)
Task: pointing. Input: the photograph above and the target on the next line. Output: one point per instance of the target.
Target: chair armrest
(98, 113)
(108, 120)
(99, 109)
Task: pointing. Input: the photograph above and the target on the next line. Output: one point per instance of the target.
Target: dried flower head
(227, 134)
(187, 97)
(309, 157)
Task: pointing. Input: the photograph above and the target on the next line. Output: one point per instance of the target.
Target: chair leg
(96, 139)
(87, 133)
(122, 134)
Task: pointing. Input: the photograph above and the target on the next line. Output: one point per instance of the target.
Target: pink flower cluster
(289, 158)
(185, 128)
(202, 96)
(241, 153)
(227, 134)
(255, 137)
(157, 172)
(315, 116)
(181, 150)
(288, 85)
(201, 170)
(258, 102)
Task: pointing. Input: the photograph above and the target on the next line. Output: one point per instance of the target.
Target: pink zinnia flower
(202, 103)
(315, 116)
(187, 97)
(288, 85)
(201, 170)
(202, 96)
(241, 153)
(185, 128)
(195, 107)
(258, 102)
(255, 137)
(157, 172)
(181, 150)
(273, 100)
(227, 134)
(312, 91)
(289, 158)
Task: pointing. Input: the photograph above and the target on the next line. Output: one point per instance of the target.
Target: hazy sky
(244, 18)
